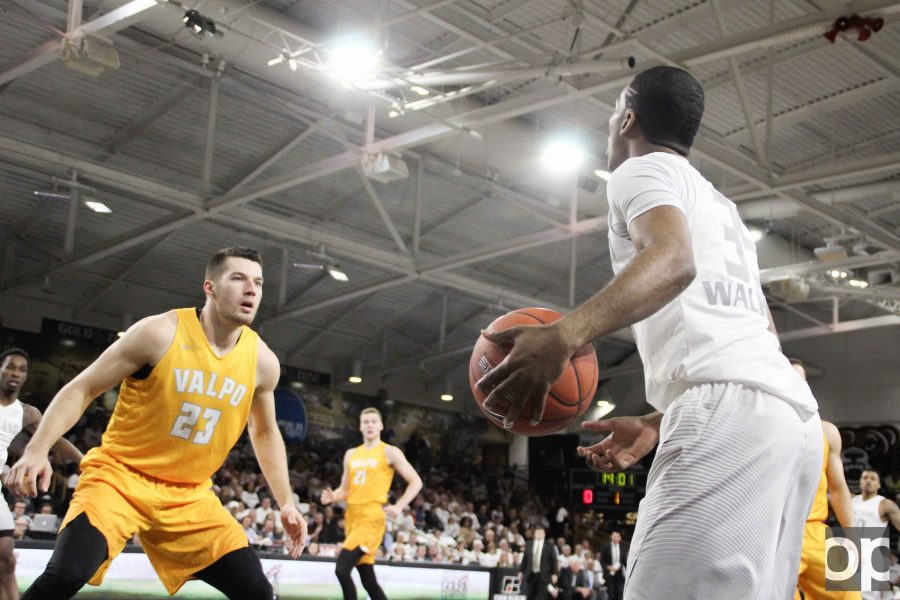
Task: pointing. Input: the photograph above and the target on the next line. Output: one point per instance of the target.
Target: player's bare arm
(397, 459)
(662, 269)
(329, 495)
(144, 343)
(269, 446)
(63, 448)
(838, 492)
(889, 510)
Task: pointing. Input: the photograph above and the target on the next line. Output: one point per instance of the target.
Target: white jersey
(10, 425)
(717, 329)
(865, 512)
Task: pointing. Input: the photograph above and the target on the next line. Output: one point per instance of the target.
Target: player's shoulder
(831, 432)
(267, 363)
(153, 334)
(652, 169)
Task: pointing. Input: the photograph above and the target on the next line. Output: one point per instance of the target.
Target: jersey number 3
(187, 420)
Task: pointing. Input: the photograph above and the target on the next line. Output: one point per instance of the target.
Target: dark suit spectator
(539, 566)
(614, 559)
(575, 582)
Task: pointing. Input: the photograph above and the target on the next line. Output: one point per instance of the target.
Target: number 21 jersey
(716, 330)
(179, 423)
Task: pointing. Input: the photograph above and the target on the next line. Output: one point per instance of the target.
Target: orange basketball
(569, 397)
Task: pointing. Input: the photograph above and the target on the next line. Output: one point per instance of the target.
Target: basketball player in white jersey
(15, 417)
(740, 440)
(871, 509)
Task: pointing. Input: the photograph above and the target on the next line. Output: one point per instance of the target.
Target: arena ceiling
(196, 142)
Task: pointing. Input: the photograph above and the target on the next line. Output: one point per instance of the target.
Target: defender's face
(238, 290)
(869, 482)
(13, 374)
(370, 426)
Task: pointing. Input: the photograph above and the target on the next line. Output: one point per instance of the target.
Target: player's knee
(342, 570)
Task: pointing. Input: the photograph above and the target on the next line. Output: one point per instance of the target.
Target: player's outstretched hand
(327, 496)
(30, 473)
(630, 439)
(537, 360)
(295, 528)
(392, 511)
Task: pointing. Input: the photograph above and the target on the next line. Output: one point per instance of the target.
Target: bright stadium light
(562, 154)
(353, 60)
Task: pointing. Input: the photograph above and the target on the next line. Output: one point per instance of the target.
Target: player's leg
(191, 532)
(80, 550)
(716, 496)
(367, 576)
(238, 575)
(343, 569)
(9, 590)
(812, 568)
(109, 506)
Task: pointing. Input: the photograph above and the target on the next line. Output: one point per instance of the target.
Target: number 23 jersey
(179, 423)
(716, 330)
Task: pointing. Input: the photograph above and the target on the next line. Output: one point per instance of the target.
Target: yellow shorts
(812, 567)
(365, 528)
(183, 528)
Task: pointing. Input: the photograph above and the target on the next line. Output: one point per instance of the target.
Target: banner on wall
(132, 576)
(290, 412)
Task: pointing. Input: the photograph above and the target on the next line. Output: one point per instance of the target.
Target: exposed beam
(506, 8)
(815, 266)
(823, 174)
(273, 158)
(88, 303)
(452, 214)
(345, 314)
(749, 119)
(382, 211)
(210, 145)
(147, 119)
(115, 20)
(822, 106)
(842, 327)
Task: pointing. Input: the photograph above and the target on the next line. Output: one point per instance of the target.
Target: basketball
(569, 397)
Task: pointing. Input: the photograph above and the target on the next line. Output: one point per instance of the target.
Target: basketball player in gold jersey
(368, 472)
(191, 381)
(811, 580)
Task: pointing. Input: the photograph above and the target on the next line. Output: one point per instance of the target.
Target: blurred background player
(832, 486)
(191, 381)
(368, 473)
(17, 417)
(870, 509)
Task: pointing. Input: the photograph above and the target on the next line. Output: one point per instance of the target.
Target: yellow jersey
(819, 511)
(179, 423)
(370, 475)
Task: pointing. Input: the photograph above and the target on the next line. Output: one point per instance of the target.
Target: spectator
(22, 525)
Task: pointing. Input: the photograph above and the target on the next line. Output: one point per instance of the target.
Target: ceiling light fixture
(563, 154)
(355, 372)
(97, 207)
(756, 234)
(335, 272)
(353, 60)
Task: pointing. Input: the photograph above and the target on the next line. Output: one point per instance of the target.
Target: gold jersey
(819, 511)
(370, 475)
(179, 423)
